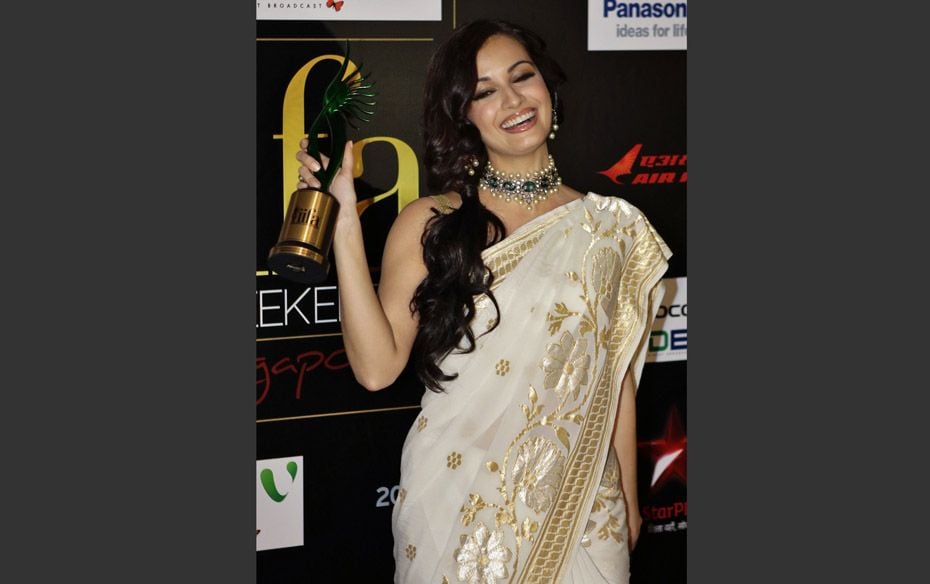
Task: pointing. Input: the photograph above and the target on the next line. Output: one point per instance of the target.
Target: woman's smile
(520, 122)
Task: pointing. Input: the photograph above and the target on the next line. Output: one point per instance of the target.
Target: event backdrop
(328, 450)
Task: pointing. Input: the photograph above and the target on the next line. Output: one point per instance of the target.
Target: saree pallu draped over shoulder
(509, 475)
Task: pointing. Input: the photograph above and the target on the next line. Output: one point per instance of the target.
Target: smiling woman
(525, 308)
(511, 107)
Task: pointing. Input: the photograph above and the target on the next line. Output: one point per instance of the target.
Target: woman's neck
(520, 164)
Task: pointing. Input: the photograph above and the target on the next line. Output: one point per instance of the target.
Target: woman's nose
(512, 97)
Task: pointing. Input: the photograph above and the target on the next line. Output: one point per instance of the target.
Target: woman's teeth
(518, 120)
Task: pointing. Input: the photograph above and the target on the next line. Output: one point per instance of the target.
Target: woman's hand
(342, 187)
(635, 523)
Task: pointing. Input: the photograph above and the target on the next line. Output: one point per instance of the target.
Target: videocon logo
(267, 479)
(279, 502)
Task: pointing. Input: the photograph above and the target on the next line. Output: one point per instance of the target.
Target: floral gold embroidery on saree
(509, 475)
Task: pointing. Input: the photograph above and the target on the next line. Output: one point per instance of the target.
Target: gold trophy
(302, 251)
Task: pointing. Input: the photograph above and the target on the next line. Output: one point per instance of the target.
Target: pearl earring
(471, 166)
(555, 124)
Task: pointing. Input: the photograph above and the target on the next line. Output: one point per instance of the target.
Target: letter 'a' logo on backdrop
(279, 503)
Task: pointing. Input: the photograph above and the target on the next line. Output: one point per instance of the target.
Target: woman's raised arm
(378, 329)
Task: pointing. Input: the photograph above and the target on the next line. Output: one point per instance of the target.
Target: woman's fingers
(308, 161)
(306, 179)
(310, 165)
(348, 161)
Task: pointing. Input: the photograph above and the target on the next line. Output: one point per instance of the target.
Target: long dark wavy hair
(452, 243)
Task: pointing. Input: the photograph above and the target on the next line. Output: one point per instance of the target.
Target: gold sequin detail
(445, 204)
(421, 423)
(454, 460)
(502, 367)
(492, 466)
(410, 552)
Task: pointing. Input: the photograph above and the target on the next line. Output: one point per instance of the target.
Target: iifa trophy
(302, 251)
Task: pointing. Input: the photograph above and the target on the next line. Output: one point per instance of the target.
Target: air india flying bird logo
(336, 5)
(648, 169)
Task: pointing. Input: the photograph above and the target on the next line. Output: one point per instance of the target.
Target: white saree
(510, 474)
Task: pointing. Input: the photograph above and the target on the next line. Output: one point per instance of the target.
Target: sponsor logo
(668, 453)
(648, 169)
(637, 26)
(668, 456)
(354, 10)
(280, 503)
(668, 339)
(298, 366)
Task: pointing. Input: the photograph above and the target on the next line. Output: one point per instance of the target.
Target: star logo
(669, 454)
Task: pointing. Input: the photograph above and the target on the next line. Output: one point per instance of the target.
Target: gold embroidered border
(505, 255)
(546, 562)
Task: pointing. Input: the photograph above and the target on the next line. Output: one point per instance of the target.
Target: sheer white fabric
(509, 475)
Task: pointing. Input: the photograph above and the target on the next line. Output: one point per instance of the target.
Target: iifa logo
(280, 503)
(303, 216)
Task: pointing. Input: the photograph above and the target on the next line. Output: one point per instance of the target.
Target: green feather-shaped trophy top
(344, 102)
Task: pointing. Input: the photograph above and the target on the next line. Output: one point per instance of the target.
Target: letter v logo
(268, 483)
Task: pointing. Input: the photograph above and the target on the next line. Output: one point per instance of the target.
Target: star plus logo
(662, 162)
(669, 454)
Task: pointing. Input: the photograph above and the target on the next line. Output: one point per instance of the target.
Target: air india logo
(648, 169)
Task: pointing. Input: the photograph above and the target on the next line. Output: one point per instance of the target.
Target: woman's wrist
(348, 226)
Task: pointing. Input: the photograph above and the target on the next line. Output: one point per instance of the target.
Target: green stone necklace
(527, 189)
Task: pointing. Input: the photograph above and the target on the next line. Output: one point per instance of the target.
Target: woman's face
(511, 105)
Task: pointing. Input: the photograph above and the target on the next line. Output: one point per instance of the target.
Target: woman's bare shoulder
(413, 218)
(424, 206)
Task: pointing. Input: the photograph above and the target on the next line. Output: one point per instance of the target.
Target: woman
(526, 308)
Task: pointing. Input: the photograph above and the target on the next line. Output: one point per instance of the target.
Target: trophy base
(298, 261)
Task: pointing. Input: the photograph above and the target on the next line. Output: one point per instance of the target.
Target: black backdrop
(620, 106)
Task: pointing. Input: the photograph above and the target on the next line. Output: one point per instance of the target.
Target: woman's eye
(524, 76)
(483, 94)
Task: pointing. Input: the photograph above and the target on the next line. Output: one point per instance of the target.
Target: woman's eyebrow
(509, 69)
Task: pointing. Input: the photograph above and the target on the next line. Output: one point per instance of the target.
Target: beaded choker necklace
(527, 189)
